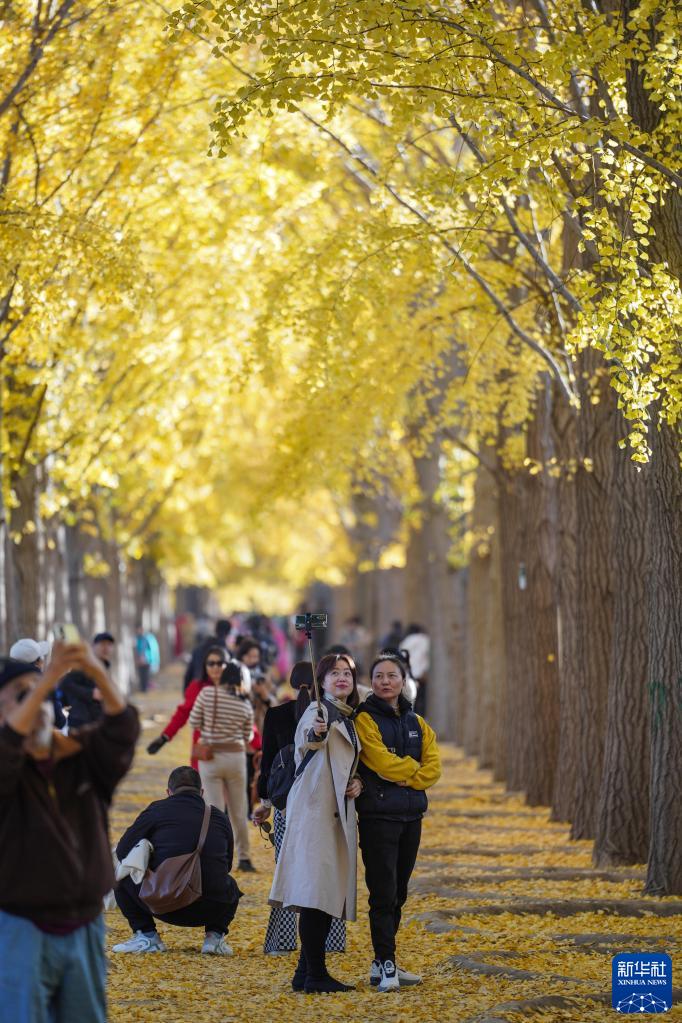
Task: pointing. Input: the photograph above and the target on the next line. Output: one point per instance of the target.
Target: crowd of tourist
(335, 752)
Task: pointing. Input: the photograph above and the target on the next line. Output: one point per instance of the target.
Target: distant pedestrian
(219, 638)
(392, 638)
(143, 658)
(36, 654)
(210, 671)
(417, 642)
(224, 718)
(79, 693)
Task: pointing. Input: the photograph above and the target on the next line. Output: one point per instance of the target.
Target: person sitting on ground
(172, 826)
(399, 760)
(224, 717)
(55, 857)
(79, 693)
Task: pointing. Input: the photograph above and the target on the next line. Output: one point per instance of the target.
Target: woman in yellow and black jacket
(399, 760)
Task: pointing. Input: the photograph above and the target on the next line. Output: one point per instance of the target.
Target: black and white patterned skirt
(282, 932)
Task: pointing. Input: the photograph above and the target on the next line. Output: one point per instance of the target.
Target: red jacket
(182, 712)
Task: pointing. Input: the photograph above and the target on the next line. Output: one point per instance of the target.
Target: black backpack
(283, 773)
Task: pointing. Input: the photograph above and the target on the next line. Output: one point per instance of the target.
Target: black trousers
(389, 852)
(213, 916)
(313, 926)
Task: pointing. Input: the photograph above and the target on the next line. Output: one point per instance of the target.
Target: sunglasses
(266, 829)
(215, 664)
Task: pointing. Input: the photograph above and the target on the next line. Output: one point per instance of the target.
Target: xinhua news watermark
(642, 982)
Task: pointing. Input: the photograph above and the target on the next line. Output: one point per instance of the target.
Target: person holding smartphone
(316, 870)
(55, 858)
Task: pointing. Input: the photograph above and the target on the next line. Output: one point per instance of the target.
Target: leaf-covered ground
(506, 920)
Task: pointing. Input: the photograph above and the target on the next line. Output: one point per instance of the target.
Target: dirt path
(506, 920)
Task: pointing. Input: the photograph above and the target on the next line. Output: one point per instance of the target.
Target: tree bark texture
(24, 553)
(541, 569)
(517, 626)
(594, 486)
(565, 442)
(664, 876)
(486, 666)
(429, 593)
(623, 812)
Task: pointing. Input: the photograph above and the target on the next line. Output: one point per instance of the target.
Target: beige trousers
(224, 782)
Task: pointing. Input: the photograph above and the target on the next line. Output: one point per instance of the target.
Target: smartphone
(311, 621)
(66, 632)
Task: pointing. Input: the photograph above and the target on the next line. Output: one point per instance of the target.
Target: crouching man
(55, 859)
(172, 826)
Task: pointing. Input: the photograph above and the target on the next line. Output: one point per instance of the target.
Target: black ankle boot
(325, 985)
(298, 979)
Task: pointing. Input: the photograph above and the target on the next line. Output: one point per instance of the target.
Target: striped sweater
(224, 719)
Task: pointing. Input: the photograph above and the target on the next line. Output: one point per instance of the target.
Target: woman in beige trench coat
(316, 870)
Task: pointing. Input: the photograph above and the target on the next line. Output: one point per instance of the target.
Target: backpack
(176, 882)
(283, 774)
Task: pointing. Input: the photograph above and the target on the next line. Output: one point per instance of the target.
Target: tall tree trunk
(564, 795)
(540, 597)
(477, 680)
(623, 813)
(665, 532)
(513, 519)
(25, 552)
(430, 574)
(664, 875)
(594, 486)
(458, 641)
(485, 624)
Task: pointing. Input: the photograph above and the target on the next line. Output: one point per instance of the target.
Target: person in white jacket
(316, 871)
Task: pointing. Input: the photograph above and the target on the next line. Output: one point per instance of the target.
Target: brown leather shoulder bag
(177, 881)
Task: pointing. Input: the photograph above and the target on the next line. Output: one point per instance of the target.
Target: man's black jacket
(76, 692)
(279, 730)
(172, 825)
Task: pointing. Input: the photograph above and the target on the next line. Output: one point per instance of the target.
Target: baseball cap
(29, 650)
(11, 668)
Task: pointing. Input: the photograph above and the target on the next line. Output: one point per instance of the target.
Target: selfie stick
(309, 637)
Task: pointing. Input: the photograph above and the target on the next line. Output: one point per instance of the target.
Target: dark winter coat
(279, 729)
(172, 825)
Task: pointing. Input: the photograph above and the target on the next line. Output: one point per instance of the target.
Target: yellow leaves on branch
(417, 211)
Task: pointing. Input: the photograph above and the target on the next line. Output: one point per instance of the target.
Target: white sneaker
(405, 978)
(389, 977)
(215, 944)
(140, 943)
